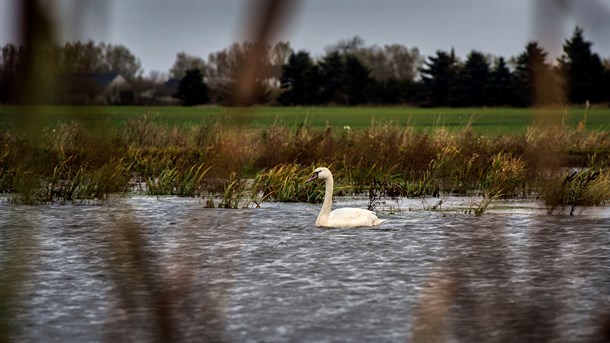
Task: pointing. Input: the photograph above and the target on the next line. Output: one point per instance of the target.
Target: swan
(342, 217)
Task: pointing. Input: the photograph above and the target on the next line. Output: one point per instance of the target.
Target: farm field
(483, 120)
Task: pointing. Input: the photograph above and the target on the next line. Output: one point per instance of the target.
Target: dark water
(147, 269)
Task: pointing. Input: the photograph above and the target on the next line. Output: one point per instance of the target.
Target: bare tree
(394, 61)
(119, 59)
(278, 57)
(391, 62)
(224, 66)
(346, 46)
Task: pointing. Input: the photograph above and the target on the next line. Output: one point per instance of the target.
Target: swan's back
(352, 217)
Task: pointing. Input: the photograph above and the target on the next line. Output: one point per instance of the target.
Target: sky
(156, 30)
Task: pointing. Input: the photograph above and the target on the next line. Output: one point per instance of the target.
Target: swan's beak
(313, 177)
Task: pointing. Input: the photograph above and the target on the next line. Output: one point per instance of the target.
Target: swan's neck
(328, 201)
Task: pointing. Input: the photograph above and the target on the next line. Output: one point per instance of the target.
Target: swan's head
(320, 173)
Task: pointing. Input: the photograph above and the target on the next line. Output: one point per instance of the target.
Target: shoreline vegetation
(242, 157)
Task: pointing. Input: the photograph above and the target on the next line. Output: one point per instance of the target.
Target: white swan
(342, 217)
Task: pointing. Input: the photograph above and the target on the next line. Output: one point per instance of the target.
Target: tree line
(349, 73)
(344, 77)
(71, 57)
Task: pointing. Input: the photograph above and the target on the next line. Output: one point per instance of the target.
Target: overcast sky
(156, 30)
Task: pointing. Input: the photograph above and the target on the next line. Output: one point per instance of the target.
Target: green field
(483, 120)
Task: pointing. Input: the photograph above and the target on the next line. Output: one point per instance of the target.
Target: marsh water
(147, 269)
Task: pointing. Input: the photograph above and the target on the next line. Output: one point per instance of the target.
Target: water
(146, 269)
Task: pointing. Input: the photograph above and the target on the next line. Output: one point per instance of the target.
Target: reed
(286, 183)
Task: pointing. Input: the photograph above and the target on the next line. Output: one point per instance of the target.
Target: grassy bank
(245, 163)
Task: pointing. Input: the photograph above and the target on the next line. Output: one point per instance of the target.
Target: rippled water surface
(143, 268)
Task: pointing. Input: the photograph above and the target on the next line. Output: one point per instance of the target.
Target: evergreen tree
(606, 82)
(581, 69)
(11, 61)
(300, 80)
(331, 71)
(191, 89)
(438, 79)
(357, 81)
(534, 84)
(499, 87)
(473, 79)
(391, 91)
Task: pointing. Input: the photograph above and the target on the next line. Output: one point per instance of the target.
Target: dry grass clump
(146, 132)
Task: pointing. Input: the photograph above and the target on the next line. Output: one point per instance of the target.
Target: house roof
(172, 84)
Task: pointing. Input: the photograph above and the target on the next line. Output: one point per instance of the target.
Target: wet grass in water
(573, 189)
(236, 193)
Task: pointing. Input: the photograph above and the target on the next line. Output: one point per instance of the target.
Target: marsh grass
(72, 162)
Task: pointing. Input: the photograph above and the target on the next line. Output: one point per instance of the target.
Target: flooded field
(145, 269)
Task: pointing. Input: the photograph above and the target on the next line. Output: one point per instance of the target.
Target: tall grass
(73, 162)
